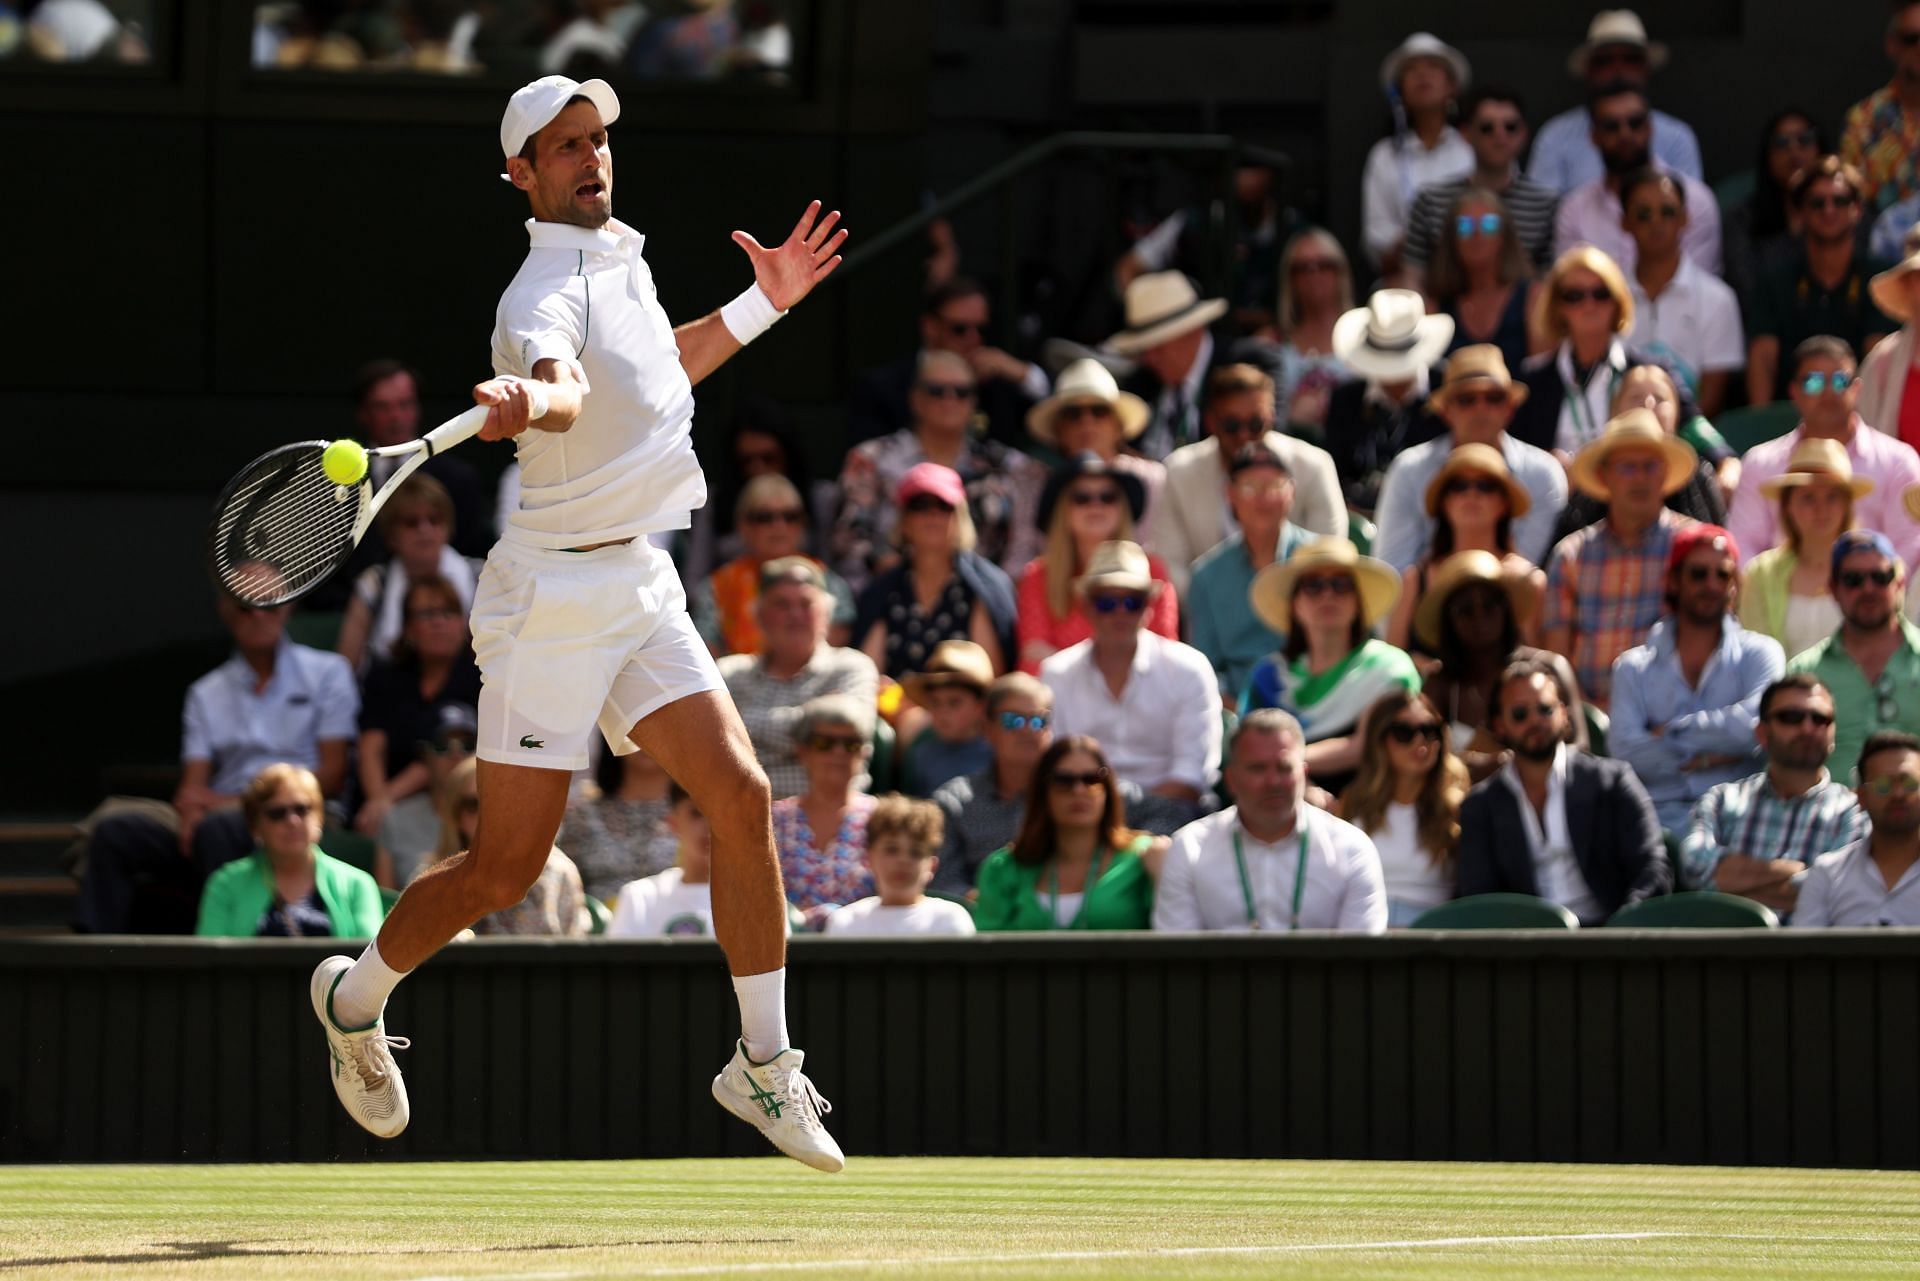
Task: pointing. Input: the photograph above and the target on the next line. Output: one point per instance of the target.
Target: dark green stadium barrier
(1762, 1047)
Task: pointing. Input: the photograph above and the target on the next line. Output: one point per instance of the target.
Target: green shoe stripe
(753, 1062)
(336, 1022)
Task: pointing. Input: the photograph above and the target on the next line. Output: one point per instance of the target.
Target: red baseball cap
(931, 478)
(1696, 536)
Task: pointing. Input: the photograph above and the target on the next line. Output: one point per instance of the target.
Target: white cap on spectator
(534, 106)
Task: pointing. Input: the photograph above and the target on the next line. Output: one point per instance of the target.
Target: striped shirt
(1748, 816)
(1530, 207)
(1609, 593)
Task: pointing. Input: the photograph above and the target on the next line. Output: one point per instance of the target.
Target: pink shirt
(1754, 521)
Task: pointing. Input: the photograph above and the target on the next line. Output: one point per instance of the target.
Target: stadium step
(36, 893)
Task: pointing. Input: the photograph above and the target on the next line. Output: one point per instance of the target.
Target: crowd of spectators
(1312, 619)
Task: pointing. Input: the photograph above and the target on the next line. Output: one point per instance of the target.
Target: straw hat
(1486, 460)
(1463, 569)
(1119, 566)
(1392, 337)
(1616, 26)
(953, 662)
(1814, 460)
(1082, 382)
(1162, 305)
(1272, 590)
(1424, 44)
(1482, 362)
(1889, 289)
(1910, 499)
(1636, 427)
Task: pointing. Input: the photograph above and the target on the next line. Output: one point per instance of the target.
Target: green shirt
(240, 893)
(1014, 895)
(1861, 707)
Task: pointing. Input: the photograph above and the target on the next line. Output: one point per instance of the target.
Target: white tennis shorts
(566, 640)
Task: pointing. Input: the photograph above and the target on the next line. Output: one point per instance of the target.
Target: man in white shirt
(1421, 79)
(1271, 861)
(579, 619)
(1681, 313)
(1153, 703)
(1590, 213)
(1616, 49)
(1876, 880)
(902, 837)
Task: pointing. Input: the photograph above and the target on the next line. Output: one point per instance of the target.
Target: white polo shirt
(310, 699)
(1845, 889)
(1164, 727)
(626, 467)
(1694, 323)
(1337, 877)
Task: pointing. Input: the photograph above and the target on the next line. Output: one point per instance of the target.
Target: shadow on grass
(207, 1251)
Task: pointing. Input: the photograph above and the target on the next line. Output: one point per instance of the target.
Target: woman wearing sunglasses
(1087, 502)
(1758, 229)
(288, 887)
(1473, 500)
(1074, 864)
(1480, 276)
(771, 519)
(821, 834)
(1406, 796)
(1579, 314)
(557, 902)
(417, 527)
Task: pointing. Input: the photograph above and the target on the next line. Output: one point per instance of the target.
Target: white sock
(362, 995)
(763, 1013)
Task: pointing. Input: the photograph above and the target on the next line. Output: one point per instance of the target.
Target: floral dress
(836, 875)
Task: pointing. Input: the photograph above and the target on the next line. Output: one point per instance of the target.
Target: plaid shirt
(1747, 816)
(1609, 593)
(770, 707)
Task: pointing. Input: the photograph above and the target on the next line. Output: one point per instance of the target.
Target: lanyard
(1246, 882)
(1053, 889)
(1584, 423)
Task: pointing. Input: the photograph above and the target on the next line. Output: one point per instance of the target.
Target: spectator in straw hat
(1223, 624)
(952, 689)
(1391, 346)
(1786, 595)
(1421, 79)
(1088, 412)
(1606, 584)
(1616, 50)
(1326, 600)
(1167, 333)
(1150, 701)
(1476, 402)
(1892, 369)
(1703, 497)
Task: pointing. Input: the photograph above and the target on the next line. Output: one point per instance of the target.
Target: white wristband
(749, 315)
(536, 395)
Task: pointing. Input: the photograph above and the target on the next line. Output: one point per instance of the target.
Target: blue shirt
(1220, 617)
(1714, 719)
(1406, 529)
(1891, 227)
(1564, 155)
(310, 698)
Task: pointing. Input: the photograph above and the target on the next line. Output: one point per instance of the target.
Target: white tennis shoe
(778, 1099)
(364, 1074)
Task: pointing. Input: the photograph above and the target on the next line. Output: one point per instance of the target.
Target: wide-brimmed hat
(1485, 459)
(1272, 592)
(1616, 26)
(1638, 428)
(1816, 459)
(1084, 382)
(1482, 362)
(1118, 566)
(953, 662)
(1088, 463)
(1463, 569)
(1424, 44)
(1889, 294)
(1392, 337)
(1162, 305)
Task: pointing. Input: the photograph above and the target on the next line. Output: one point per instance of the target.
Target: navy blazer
(1616, 836)
(1538, 419)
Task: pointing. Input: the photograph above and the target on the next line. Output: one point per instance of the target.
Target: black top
(1364, 436)
(392, 703)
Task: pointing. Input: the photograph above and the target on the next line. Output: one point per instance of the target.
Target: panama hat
(1636, 427)
(952, 663)
(1463, 569)
(1889, 293)
(1392, 337)
(1162, 305)
(1814, 460)
(1082, 382)
(1119, 566)
(1272, 590)
(1482, 362)
(1485, 459)
(1423, 44)
(1616, 26)
(1088, 463)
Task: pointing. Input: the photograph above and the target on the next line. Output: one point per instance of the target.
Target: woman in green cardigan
(1073, 865)
(287, 888)
(1786, 592)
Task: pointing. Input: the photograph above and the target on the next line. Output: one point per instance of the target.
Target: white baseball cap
(534, 106)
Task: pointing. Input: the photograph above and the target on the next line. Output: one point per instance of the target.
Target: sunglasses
(281, 813)
(1795, 138)
(783, 516)
(1466, 226)
(1611, 125)
(1574, 297)
(1495, 399)
(1796, 716)
(1702, 573)
(921, 503)
(1490, 127)
(948, 391)
(1404, 732)
(1311, 266)
(432, 614)
(836, 743)
(1017, 721)
(1094, 497)
(1664, 212)
(1327, 585)
(1816, 383)
(1127, 604)
(1886, 707)
(1820, 204)
(1227, 426)
(1067, 780)
(963, 328)
(1521, 713)
(1094, 409)
(1854, 579)
(1260, 488)
(759, 458)
(1905, 784)
(1479, 485)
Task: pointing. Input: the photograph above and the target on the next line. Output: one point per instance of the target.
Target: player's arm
(782, 276)
(513, 401)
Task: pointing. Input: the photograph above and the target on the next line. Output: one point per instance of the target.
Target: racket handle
(455, 430)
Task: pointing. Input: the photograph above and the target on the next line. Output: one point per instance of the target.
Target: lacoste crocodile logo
(528, 740)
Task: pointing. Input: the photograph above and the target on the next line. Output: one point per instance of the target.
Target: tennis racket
(281, 527)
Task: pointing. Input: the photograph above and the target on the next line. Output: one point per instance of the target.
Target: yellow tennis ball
(345, 462)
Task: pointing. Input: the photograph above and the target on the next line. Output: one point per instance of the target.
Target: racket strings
(282, 528)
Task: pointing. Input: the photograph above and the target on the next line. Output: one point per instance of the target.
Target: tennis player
(578, 620)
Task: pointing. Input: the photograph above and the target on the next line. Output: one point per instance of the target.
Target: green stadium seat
(349, 847)
(318, 629)
(1361, 532)
(388, 898)
(1695, 910)
(1752, 424)
(599, 914)
(1597, 727)
(1497, 912)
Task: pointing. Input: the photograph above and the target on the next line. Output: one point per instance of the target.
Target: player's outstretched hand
(510, 407)
(788, 273)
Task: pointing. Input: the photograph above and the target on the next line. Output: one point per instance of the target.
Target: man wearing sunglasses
(1684, 316)
(1874, 882)
(1684, 702)
(1881, 137)
(1495, 127)
(1826, 390)
(1756, 837)
(1616, 50)
(1872, 664)
(1621, 120)
(1822, 287)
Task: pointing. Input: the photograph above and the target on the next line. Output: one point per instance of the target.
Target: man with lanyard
(1271, 861)
(578, 618)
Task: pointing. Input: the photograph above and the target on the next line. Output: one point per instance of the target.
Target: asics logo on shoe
(769, 1101)
(528, 740)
